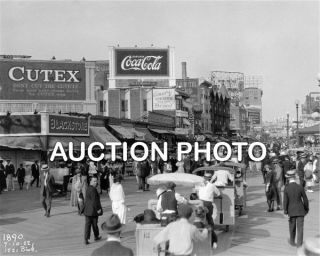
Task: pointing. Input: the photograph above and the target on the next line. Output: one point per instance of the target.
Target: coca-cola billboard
(146, 62)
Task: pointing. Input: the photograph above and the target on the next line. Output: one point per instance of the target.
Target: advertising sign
(42, 80)
(20, 124)
(255, 117)
(163, 99)
(68, 125)
(141, 62)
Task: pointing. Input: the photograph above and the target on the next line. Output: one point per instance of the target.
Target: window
(124, 105)
(102, 106)
(144, 105)
(178, 104)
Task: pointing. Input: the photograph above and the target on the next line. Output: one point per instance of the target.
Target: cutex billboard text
(40, 80)
(142, 62)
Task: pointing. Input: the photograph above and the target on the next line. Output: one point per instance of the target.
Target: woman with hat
(117, 197)
(308, 175)
(78, 190)
(271, 192)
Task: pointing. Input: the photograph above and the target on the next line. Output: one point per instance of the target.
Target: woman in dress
(104, 178)
(28, 178)
(308, 174)
(78, 190)
(118, 199)
(271, 192)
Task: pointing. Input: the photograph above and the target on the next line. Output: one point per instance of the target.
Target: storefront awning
(147, 135)
(159, 131)
(128, 132)
(102, 135)
(22, 142)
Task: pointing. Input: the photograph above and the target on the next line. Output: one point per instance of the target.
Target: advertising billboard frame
(68, 118)
(57, 81)
(167, 102)
(145, 50)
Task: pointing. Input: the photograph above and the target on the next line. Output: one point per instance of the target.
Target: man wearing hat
(300, 168)
(113, 227)
(206, 194)
(277, 180)
(296, 206)
(92, 210)
(35, 170)
(46, 189)
(181, 234)
(10, 172)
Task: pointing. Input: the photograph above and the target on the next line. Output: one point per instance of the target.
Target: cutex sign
(42, 80)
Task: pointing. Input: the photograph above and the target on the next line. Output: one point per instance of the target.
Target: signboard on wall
(20, 124)
(155, 118)
(142, 62)
(42, 80)
(163, 99)
(255, 117)
(68, 125)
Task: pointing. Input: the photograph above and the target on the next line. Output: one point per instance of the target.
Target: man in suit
(296, 206)
(302, 162)
(47, 189)
(92, 209)
(35, 172)
(113, 227)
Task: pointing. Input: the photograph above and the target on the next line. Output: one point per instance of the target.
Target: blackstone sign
(68, 125)
(42, 80)
(145, 62)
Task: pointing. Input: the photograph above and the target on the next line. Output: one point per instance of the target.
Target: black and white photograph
(159, 128)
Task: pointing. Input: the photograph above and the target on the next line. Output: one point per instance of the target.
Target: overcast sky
(278, 40)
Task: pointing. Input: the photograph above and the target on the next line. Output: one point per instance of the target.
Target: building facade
(220, 111)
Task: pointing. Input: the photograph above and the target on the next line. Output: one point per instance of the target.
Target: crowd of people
(90, 179)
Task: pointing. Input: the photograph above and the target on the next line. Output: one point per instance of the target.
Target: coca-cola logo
(141, 63)
(146, 62)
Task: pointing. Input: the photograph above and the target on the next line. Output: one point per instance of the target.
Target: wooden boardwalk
(257, 232)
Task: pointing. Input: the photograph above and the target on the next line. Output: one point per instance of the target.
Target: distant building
(220, 111)
(238, 119)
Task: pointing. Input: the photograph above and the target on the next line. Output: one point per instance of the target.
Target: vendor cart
(224, 213)
(240, 185)
(145, 233)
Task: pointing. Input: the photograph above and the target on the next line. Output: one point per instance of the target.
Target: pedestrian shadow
(9, 221)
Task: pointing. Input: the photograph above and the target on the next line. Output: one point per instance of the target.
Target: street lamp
(288, 128)
(297, 108)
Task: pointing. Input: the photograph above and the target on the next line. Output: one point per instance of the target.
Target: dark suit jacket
(35, 170)
(50, 184)
(295, 201)
(112, 248)
(92, 202)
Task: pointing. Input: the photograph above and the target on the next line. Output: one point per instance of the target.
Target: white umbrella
(184, 179)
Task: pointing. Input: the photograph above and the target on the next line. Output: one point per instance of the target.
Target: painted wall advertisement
(163, 99)
(142, 62)
(42, 80)
(20, 124)
(68, 125)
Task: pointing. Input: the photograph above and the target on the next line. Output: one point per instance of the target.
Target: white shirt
(45, 179)
(207, 192)
(116, 193)
(222, 177)
(181, 234)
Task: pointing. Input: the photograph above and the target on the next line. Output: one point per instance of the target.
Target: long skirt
(120, 209)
